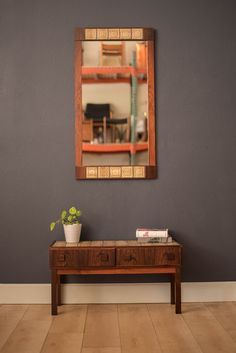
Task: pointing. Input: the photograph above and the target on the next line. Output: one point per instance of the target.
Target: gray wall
(194, 195)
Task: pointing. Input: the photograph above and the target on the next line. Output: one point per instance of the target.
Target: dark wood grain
(149, 34)
(123, 257)
(172, 288)
(58, 289)
(178, 290)
(70, 258)
(135, 256)
(80, 172)
(151, 104)
(78, 103)
(79, 34)
(54, 291)
(151, 172)
(167, 256)
(101, 257)
(118, 271)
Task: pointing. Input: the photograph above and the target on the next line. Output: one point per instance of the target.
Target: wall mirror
(115, 103)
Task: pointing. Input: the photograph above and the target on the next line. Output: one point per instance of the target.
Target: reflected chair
(97, 115)
(87, 131)
(120, 129)
(110, 53)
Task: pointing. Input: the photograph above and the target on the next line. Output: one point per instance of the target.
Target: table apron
(113, 271)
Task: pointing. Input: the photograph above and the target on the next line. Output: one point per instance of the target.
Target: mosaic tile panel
(102, 33)
(90, 33)
(137, 33)
(125, 33)
(115, 172)
(139, 172)
(114, 33)
(103, 172)
(91, 172)
(127, 172)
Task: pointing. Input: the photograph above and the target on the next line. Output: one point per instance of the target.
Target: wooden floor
(126, 328)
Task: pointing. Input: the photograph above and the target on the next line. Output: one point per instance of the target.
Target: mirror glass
(114, 103)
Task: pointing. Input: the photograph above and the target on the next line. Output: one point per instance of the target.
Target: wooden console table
(115, 257)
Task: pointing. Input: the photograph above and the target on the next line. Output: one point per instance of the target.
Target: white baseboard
(117, 293)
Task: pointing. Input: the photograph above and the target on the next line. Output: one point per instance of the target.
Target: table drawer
(101, 257)
(168, 255)
(143, 256)
(148, 256)
(83, 258)
(69, 258)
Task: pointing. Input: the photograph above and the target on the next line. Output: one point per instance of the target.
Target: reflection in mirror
(114, 103)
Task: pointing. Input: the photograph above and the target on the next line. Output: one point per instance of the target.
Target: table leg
(172, 288)
(178, 291)
(58, 290)
(54, 290)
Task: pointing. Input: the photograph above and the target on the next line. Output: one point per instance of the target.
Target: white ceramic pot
(72, 232)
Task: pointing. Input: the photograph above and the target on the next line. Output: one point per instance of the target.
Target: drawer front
(120, 257)
(78, 258)
(101, 257)
(135, 256)
(169, 255)
(69, 258)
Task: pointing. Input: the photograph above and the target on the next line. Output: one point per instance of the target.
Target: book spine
(155, 239)
(151, 233)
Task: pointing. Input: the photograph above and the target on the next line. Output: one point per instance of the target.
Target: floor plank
(101, 328)
(63, 343)
(207, 331)
(38, 313)
(10, 315)
(136, 329)
(31, 331)
(101, 350)
(126, 328)
(225, 313)
(70, 318)
(172, 332)
(66, 332)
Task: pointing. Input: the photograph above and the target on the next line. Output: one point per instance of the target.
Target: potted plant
(71, 224)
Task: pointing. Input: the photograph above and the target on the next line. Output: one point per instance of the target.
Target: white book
(155, 239)
(142, 232)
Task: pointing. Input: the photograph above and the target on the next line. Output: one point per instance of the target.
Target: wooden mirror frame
(115, 172)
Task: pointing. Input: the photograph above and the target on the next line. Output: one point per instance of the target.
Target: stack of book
(146, 235)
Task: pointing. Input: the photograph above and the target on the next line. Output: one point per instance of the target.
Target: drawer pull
(170, 256)
(103, 256)
(61, 258)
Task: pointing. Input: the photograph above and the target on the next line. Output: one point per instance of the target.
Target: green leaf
(63, 214)
(52, 226)
(70, 218)
(78, 213)
(72, 210)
